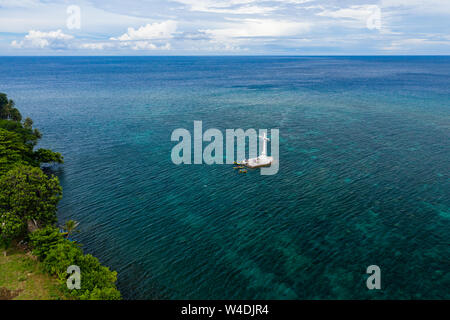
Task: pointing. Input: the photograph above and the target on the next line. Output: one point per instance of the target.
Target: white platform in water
(261, 161)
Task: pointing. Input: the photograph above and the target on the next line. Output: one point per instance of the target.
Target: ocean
(364, 176)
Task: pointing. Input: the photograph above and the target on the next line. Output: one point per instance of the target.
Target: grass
(22, 278)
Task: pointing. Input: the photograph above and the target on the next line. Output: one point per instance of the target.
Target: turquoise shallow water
(364, 172)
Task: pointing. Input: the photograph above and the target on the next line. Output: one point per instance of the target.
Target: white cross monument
(263, 160)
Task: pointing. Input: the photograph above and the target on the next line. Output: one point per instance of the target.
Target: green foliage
(97, 281)
(3, 103)
(62, 255)
(30, 194)
(43, 240)
(102, 294)
(11, 226)
(70, 227)
(27, 194)
(48, 156)
(13, 151)
(28, 135)
(28, 124)
(18, 140)
(58, 253)
(7, 109)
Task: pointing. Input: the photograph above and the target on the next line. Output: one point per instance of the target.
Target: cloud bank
(227, 27)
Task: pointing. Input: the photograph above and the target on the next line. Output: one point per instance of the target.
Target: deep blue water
(364, 172)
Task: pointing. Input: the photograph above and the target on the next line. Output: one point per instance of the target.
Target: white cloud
(157, 30)
(237, 6)
(244, 10)
(22, 15)
(96, 45)
(134, 45)
(237, 34)
(146, 45)
(260, 26)
(212, 5)
(19, 4)
(408, 44)
(248, 28)
(38, 39)
(146, 37)
(358, 13)
(419, 6)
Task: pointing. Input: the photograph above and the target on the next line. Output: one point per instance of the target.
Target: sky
(225, 27)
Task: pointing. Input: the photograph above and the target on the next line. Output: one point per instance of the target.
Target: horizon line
(229, 55)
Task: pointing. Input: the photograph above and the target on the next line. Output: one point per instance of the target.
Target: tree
(12, 151)
(70, 227)
(30, 195)
(8, 110)
(62, 255)
(29, 135)
(98, 282)
(21, 136)
(43, 240)
(58, 253)
(11, 227)
(14, 114)
(28, 124)
(3, 106)
(102, 294)
(47, 156)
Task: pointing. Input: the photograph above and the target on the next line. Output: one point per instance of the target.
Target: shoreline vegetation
(29, 237)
